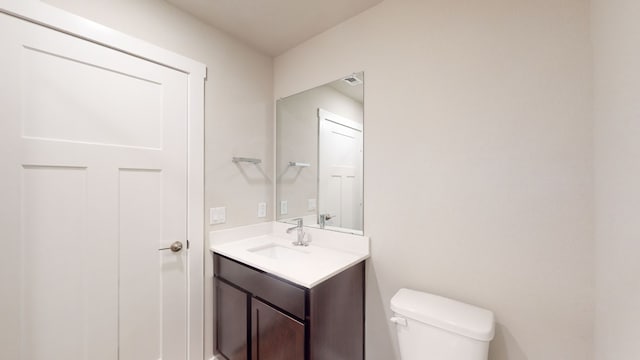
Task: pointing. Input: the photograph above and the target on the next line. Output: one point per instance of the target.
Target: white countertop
(328, 254)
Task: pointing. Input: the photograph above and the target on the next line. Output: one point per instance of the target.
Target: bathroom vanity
(261, 316)
(276, 301)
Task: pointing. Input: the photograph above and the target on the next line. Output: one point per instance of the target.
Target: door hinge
(188, 244)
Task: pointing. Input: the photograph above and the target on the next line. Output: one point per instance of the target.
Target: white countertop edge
(288, 277)
(355, 248)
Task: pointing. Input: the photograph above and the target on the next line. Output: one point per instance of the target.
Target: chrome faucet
(301, 233)
(323, 220)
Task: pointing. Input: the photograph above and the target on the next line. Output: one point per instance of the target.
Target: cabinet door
(232, 323)
(274, 335)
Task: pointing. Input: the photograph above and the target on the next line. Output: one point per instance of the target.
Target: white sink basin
(278, 252)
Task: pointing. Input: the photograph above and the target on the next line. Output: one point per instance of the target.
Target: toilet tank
(432, 327)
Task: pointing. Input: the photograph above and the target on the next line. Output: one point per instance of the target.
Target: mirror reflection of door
(323, 128)
(339, 171)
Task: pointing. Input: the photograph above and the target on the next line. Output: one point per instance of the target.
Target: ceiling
(274, 26)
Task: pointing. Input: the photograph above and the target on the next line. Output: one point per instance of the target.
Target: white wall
(616, 35)
(238, 106)
(297, 134)
(478, 161)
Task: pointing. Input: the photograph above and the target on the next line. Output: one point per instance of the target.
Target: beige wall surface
(478, 161)
(478, 155)
(616, 35)
(238, 106)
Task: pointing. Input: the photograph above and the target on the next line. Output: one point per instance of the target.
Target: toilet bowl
(432, 327)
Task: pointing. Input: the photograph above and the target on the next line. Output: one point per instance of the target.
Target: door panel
(275, 336)
(55, 222)
(94, 183)
(140, 218)
(232, 322)
(108, 115)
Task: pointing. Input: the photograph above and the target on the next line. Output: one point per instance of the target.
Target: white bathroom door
(339, 170)
(93, 152)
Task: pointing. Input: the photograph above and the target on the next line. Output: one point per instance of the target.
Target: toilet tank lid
(447, 314)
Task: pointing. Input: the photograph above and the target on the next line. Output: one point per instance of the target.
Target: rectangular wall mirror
(319, 156)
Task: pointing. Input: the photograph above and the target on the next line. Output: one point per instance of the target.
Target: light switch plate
(262, 209)
(311, 204)
(284, 207)
(217, 215)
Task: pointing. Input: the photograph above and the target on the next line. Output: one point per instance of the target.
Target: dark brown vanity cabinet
(263, 317)
(275, 335)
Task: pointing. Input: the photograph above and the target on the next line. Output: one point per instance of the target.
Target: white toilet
(432, 327)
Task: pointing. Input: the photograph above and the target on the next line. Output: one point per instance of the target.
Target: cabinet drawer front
(277, 292)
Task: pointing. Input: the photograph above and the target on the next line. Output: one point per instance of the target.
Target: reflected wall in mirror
(319, 155)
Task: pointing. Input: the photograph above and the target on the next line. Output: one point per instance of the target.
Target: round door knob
(175, 247)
